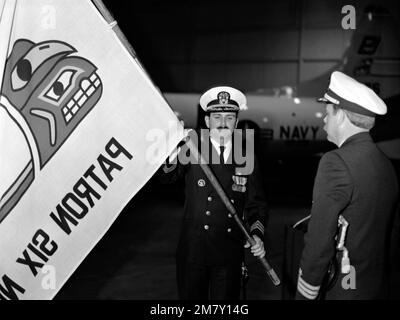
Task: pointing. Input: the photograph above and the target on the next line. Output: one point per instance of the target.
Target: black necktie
(221, 155)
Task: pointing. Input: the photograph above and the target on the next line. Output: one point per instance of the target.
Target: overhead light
(296, 100)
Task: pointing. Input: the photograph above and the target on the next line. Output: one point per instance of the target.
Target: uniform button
(229, 230)
(209, 199)
(208, 213)
(229, 215)
(233, 201)
(206, 227)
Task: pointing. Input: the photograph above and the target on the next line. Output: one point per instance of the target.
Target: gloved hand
(258, 249)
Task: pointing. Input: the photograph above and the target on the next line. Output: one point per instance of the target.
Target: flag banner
(78, 119)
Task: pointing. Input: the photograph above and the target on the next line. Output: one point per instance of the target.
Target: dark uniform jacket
(210, 235)
(358, 182)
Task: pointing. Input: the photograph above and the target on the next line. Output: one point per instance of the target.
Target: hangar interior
(261, 47)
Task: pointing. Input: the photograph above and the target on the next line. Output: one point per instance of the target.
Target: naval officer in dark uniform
(354, 201)
(210, 250)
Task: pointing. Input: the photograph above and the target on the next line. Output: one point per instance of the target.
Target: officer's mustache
(221, 128)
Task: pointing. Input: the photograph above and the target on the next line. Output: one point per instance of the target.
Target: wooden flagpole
(210, 175)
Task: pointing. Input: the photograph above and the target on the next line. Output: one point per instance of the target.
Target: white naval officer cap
(349, 94)
(223, 99)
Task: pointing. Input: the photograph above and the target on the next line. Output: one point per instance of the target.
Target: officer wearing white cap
(210, 250)
(352, 95)
(354, 201)
(223, 99)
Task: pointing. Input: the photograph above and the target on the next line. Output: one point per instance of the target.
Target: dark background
(253, 45)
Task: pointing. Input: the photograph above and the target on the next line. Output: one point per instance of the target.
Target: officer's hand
(258, 249)
(186, 131)
(175, 152)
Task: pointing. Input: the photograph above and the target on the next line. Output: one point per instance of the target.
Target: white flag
(76, 111)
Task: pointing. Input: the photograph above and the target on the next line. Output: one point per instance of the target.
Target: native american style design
(47, 91)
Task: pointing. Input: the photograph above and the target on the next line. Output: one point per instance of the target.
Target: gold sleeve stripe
(308, 286)
(306, 293)
(257, 225)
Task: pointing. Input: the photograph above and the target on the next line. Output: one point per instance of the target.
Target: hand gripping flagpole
(211, 177)
(113, 24)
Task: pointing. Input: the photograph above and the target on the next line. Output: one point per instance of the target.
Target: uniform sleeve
(172, 171)
(256, 209)
(332, 193)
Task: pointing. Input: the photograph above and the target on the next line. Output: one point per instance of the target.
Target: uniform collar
(217, 145)
(227, 151)
(357, 138)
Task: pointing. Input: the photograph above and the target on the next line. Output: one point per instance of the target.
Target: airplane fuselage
(284, 126)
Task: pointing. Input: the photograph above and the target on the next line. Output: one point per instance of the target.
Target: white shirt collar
(227, 151)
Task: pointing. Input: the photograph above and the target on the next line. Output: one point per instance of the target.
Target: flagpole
(113, 24)
(217, 186)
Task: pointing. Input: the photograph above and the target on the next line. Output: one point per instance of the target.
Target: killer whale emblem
(46, 92)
